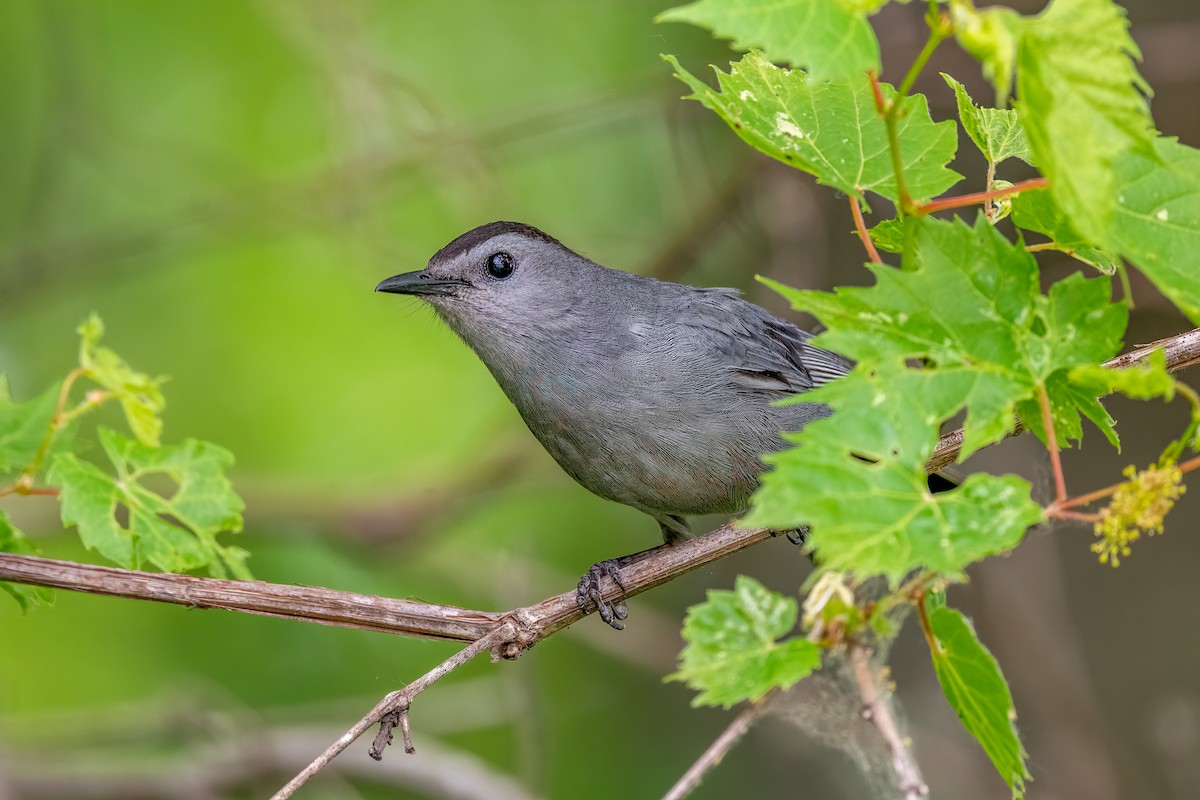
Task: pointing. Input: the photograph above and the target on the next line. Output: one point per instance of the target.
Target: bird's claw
(589, 594)
(798, 536)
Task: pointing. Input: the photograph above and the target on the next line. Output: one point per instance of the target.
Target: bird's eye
(500, 265)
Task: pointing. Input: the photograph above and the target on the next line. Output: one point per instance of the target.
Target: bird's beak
(419, 283)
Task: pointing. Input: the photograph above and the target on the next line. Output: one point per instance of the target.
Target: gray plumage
(653, 394)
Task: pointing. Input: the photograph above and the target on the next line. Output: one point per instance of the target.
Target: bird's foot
(797, 537)
(589, 594)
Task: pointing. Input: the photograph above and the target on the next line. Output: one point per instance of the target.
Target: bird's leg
(674, 530)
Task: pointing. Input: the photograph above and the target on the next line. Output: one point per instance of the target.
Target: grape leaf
(888, 235)
(968, 300)
(1083, 104)
(140, 396)
(972, 682)
(24, 426)
(829, 39)
(175, 533)
(857, 479)
(996, 132)
(13, 541)
(734, 650)
(1036, 211)
(830, 129)
(991, 37)
(1157, 224)
(1139, 381)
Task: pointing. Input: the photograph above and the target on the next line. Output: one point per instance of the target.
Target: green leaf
(830, 129)
(1083, 104)
(1140, 381)
(139, 394)
(991, 37)
(734, 651)
(24, 426)
(1036, 211)
(1157, 222)
(978, 693)
(888, 235)
(174, 531)
(857, 479)
(996, 132)
(13, 541)
(968, 300)
(830, 39)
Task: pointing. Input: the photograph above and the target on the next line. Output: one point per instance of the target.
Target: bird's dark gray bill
(417, 283)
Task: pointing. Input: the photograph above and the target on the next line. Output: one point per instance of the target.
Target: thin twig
(720, 746)
(1060, 481)
(877, 710)
(975, 198)
(861, 226)
(397, 701)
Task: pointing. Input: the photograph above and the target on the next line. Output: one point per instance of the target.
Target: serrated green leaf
(829, 39)
(1036, 211)
(1157, 221)
(857, 479)
(734, 650)
(139, 395)
(830, 129)
(24, 426)
(174, 533)
(1142, 381)
(972, 682)
(1083, 104)
(991, 37)
(888, 235)
(13, 541)
(996, 132)
(968, 300)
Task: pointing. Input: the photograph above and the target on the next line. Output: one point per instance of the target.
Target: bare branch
(397, 703)
(877, 710)
(716, 751)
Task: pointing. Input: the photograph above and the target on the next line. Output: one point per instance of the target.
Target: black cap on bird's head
(479, 257)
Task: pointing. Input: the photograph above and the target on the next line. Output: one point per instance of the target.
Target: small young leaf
(138, 393)
(972, 682)
(996, 132)
(23, 426)
(175, 533)
(888, 235)
(829, 39)
(1157, 222)
(734, 650)
(1036, 211)
(13, 541)
(991, 37)
(1083, 104)
(1139, 381)
(830, 129)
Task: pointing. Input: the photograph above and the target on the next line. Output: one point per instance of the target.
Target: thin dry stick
(720, 746)
(397, 702)
(878, 711)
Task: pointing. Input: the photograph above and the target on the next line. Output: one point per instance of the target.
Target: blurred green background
(225, 182)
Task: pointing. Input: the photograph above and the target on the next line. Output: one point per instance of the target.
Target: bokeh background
(225, 182)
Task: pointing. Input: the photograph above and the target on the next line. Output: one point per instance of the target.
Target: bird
(657, 395)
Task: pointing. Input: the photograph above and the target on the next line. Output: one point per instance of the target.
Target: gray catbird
(656, 395)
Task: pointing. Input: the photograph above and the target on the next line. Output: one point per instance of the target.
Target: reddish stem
(877, 93)
(976, 198)
(1060, 483)
(861, 226)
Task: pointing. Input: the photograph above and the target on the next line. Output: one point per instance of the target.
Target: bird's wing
(765, 352)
